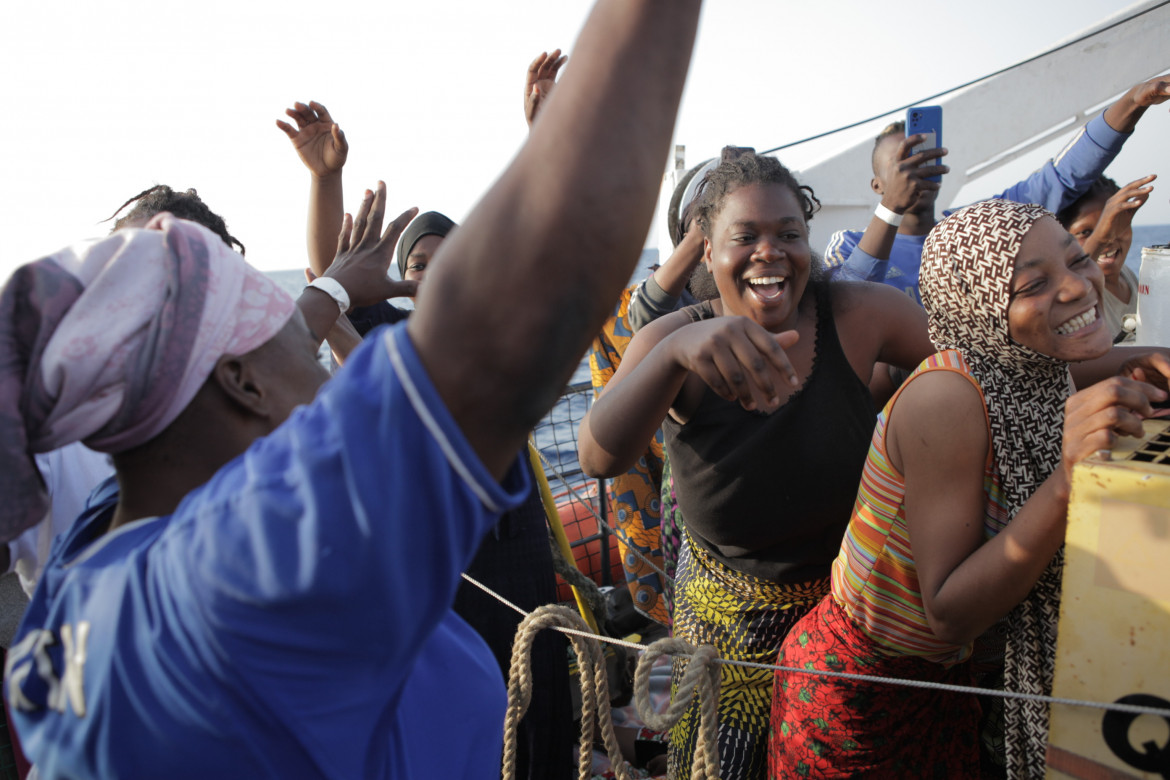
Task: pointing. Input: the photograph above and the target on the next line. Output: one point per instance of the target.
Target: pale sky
(108, 98)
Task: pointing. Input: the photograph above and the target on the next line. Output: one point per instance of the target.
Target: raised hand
(739, 360)
(1094, 417)
(906, 175)
(539, 82)
(1153, 92)
(363, 257)
(1115, 227)
(1124, 114)
(1150, 367)
(317, 138)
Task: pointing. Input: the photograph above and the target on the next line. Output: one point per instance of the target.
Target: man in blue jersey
(268, 594)
(890, 249)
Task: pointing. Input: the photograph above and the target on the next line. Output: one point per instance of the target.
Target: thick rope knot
(595, 708)
(702, 674)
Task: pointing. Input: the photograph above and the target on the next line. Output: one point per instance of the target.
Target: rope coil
(702, 674)
(596, 714)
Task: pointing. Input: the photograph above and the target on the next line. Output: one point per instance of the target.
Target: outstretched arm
(1124, 113)
(659, 294)
(561, 230)
(323, 149)
(1061, 180)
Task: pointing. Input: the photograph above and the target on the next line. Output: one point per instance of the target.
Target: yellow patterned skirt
(745, 618)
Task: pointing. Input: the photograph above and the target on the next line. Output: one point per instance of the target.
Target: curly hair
(740, 168)
(1101, 189)
(184, 205)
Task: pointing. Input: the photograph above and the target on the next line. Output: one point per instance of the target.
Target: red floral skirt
(836, 727)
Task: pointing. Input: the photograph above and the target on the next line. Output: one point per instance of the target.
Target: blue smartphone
(927, 121)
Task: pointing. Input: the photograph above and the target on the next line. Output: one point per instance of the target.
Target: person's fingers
(339, 142)
(343, 236)
(760, 375)
(361, 218)
(321, 112)
(405, 288)
(924, 173)
(767, 364)
(303, 114)
(1142, 181)
(1156, 361)
(377, 212)
(556, 68)
(294, 116)
(288, 129)
(734, 378)
(395, 228)
(535, 66)
(548, 68)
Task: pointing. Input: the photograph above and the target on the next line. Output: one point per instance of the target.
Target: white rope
(1134, 709)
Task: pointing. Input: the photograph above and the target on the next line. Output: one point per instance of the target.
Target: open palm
(317, 138)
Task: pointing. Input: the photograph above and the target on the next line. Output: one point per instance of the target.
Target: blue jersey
(291, 618)
(1056, 184)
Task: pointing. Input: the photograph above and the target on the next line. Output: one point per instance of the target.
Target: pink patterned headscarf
(107, 341)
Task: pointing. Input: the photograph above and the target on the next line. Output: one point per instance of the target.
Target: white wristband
(887, 216)
(333, 289)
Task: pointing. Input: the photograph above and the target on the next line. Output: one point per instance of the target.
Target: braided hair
(184, 205)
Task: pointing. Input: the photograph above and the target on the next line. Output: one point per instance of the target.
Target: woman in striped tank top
(960, 516)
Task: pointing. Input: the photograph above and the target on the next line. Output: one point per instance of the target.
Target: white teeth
(767, 280)
(1078, 322)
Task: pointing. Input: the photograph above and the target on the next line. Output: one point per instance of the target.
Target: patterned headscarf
(965, 281)
(107, 341)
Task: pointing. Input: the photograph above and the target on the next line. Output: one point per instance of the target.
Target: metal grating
(1156, 449)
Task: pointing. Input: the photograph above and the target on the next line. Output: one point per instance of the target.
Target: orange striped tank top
(874, 577)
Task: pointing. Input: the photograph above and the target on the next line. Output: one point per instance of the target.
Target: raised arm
(659, 294)
(535, 269)
(905, 178)
(1061, 180)
(323, 149)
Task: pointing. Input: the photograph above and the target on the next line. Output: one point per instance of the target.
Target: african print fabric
(967, 267)
(745, 618)
(672, 530)
(837, 727)
(634, 496)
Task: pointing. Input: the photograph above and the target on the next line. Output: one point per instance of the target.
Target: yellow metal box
(1114, 637)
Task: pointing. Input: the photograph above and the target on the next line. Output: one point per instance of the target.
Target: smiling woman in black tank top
(767, 421)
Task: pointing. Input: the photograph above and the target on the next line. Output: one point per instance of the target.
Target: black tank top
(771, 495)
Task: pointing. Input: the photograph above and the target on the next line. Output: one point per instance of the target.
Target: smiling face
(1111, 257)
(420, 257)
(758, 254)
(1056, 290)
